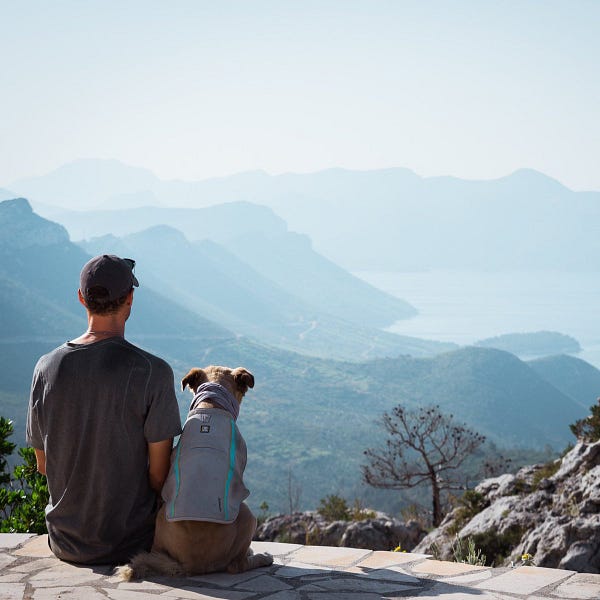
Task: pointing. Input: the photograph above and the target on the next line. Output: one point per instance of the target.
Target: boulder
(549, 511)
(380, 533)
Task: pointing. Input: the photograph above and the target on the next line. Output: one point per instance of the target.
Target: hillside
(487, 387)
(572, 376)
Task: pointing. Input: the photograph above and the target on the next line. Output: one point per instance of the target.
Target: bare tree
(294, 493)
(423, 446)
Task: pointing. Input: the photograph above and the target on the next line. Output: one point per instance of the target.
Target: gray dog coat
(205, 481)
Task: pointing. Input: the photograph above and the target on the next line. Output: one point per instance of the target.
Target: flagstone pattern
(29, 571)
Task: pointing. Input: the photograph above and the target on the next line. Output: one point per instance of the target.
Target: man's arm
(159, 461)
(40, 457)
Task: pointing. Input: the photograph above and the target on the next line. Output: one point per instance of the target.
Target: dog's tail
(148, 563)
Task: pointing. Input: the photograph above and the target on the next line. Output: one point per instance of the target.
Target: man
(102, 417)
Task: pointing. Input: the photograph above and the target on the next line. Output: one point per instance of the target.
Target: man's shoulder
(155, 361)
(54, 354)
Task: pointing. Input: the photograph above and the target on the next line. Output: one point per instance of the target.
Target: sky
(193, 89)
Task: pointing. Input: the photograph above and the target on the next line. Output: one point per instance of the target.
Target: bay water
(467, 306)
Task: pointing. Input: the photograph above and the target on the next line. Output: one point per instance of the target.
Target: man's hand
(40, 457)
(159, 461)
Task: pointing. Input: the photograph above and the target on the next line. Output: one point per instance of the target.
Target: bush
(359, 513)
(498, 546)
(334, 508)
(588, 429)
(468, 554)
(24, 494)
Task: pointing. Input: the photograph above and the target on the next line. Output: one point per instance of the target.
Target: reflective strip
(176, 469)
(231, 468)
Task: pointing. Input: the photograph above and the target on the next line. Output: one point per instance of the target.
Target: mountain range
(307, 417)
(382, 219)
(289, 297)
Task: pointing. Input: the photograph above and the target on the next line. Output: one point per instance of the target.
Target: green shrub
(334, 508)
(498, 546)
(6, 449)
(521, 486)
(264, 513)
(359, 513)
(588, 429)
(468, 553)
(24, 495)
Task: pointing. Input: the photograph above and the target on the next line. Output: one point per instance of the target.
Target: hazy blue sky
(193, 89)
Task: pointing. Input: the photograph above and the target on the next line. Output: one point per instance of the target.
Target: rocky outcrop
(550, 511)
(379, 533)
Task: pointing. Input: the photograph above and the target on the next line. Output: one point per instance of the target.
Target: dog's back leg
(148, 563)
(244, 559)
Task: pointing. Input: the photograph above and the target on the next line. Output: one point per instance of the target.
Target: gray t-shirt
(93, 409)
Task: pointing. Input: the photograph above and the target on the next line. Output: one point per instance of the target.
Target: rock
(581, 456)
(556, 518)
(380, 533)
(580, 556)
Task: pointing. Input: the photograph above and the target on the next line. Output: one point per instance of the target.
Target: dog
(200, 530)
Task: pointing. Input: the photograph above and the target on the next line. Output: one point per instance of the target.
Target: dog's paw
(124, 573)
(264, 559)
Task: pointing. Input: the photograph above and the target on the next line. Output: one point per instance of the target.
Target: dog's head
(237, 381)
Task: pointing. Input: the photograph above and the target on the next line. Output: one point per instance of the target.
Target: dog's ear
(243, 379)
(195, 378)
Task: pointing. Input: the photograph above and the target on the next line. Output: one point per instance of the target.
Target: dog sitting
(204, 526)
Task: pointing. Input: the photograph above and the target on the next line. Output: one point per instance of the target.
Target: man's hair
(98, 303)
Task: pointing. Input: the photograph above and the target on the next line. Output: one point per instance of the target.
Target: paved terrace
(29, 571)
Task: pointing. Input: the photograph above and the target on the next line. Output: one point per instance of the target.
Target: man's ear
(195, 378)
(243, 379)
(81, 298)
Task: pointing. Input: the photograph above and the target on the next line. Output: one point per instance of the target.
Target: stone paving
(28, 571)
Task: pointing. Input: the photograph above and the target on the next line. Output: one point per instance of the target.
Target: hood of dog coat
(217, 394)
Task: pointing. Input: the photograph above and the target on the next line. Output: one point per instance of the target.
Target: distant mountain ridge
(367, 220)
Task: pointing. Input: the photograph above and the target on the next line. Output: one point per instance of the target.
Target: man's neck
(101, 327)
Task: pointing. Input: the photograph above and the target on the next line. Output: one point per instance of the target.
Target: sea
(467, 306)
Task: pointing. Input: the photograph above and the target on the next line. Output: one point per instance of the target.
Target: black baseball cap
(110, 272)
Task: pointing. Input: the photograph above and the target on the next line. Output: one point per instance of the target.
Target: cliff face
(550, 511)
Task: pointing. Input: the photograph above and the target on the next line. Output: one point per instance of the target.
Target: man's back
(94, 408)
